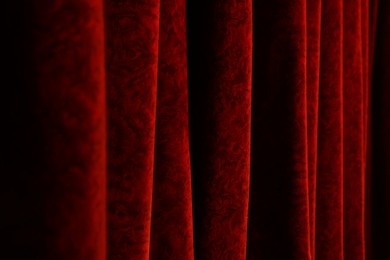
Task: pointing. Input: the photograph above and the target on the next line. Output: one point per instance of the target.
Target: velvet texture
(179, 129)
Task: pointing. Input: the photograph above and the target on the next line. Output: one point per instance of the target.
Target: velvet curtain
(174, 129)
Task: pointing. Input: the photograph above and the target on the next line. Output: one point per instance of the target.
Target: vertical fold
(366, 39)
(279, 198)
(354, 111)
(372, 24)
(329, 196)
(220, 62)
(55, 181)
(132, 30)
(366, 61)
(313, 31)
(380, 116)
(372, 28)
(172, 231)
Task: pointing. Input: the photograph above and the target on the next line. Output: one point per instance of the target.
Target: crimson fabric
(174, 129)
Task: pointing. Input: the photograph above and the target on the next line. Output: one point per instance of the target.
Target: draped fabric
(174, 129)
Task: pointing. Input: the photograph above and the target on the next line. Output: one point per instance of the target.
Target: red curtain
(174, 129)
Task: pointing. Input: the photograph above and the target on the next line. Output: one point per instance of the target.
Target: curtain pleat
(354, 97)
(313, 38)
(172, 226)
(223, 129)
(132, 54)
(279, 165)
(54, 186)
(330, 163)
(219, 67)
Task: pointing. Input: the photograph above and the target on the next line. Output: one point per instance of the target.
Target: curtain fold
(313, 40)
(172, 226)
(132, 54)
(279, 169)
(54, 164)
(330, 160)
(223, 129)
(220, 66)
